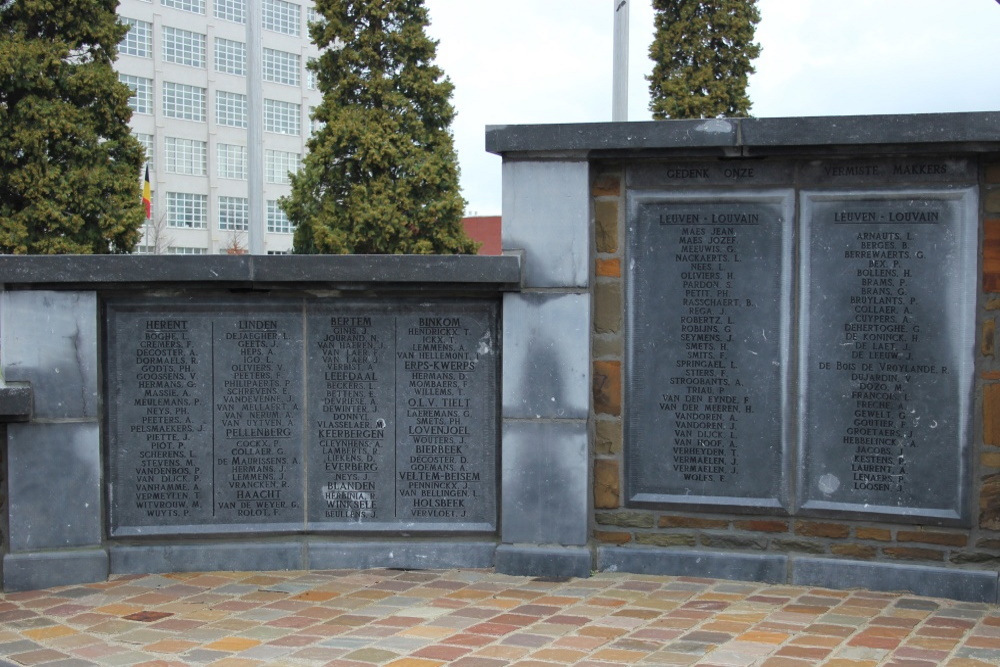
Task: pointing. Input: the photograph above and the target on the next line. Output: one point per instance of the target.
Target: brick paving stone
(472, 661)
(38, 656)
(503, 652)
(526, 639)
(446, 653)
(414, 662)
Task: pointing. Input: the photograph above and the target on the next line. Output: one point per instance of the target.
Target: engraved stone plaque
(887, 304)
(291, 415)
(406, 417)
(707, 349)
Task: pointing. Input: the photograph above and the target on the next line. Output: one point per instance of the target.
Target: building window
(231, 10)
(142, 93)
(315, 125)
(232, 161)
(196, 6)
(234, 213)
(281, 16)
(183, 47)
(187, 210)
(181, 250)
(279, 252)
(281, 117)
(230, 109)
(312, 80)
(186, 156)
(277, 165)
(138, 40)
(277, 221)
(281, 67)
(230, 56)
(147, 143)
(184, 102)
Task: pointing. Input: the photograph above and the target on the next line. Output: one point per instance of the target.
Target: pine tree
(69, 166)
(701, 55)
(381, 173)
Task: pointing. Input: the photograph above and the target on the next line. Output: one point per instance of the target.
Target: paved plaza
(475, 618)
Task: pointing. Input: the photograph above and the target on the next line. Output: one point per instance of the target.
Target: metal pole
(619, 98)
(255, 131)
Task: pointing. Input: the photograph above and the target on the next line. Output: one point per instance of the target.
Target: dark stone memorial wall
(297, 415)
(886, 314)
(709, 348)
(804, 349)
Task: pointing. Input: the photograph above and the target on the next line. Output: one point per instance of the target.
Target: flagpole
(619, 97)
(255, 135)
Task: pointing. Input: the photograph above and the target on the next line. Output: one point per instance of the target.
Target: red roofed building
(486, 230)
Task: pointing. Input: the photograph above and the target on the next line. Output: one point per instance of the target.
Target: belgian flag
(147, 196)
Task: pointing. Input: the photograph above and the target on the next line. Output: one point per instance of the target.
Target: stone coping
(15, 402)
(971, 132)
(464, 272)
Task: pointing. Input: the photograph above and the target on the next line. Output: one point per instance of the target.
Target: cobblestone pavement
(475, 618)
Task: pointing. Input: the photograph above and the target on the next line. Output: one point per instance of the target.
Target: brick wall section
(616, 524)
(607, 349)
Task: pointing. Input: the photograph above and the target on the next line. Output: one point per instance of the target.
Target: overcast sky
(549, 61)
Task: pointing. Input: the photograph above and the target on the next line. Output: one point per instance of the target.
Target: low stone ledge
(469, 272)
(974, 132)
(15, 402)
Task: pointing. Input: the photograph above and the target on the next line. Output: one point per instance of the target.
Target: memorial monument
(757, 349)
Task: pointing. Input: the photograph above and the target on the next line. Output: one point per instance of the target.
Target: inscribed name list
(707, 334)
(886, 359)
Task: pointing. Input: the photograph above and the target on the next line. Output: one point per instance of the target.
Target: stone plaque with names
(298, 414)
(707, 348)
(887, 304)
(405, 409)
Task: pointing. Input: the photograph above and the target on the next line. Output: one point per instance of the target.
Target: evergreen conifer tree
(381, 173)
(701, 54)
(69, 166)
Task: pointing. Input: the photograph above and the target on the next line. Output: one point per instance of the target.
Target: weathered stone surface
(612, 537)
(608, 387)
(608, 268)
(733, 542)
(800, 546)
(933, 537)
(608, 437)
(608, 345)
(913, 553)
(625, 519)
(607, 184)
(545, 482)
(762, 525)
(992, 204)
(606, 485)
(608, 307)
(817, 529)
(861, 551)
(974, 558)
(991, 414)
(989, 503)
(871, 533)
(669, 521)
(666, 539)
(991, 255)
(606, 225)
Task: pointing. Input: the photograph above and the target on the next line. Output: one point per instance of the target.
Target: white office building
(186, 62)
